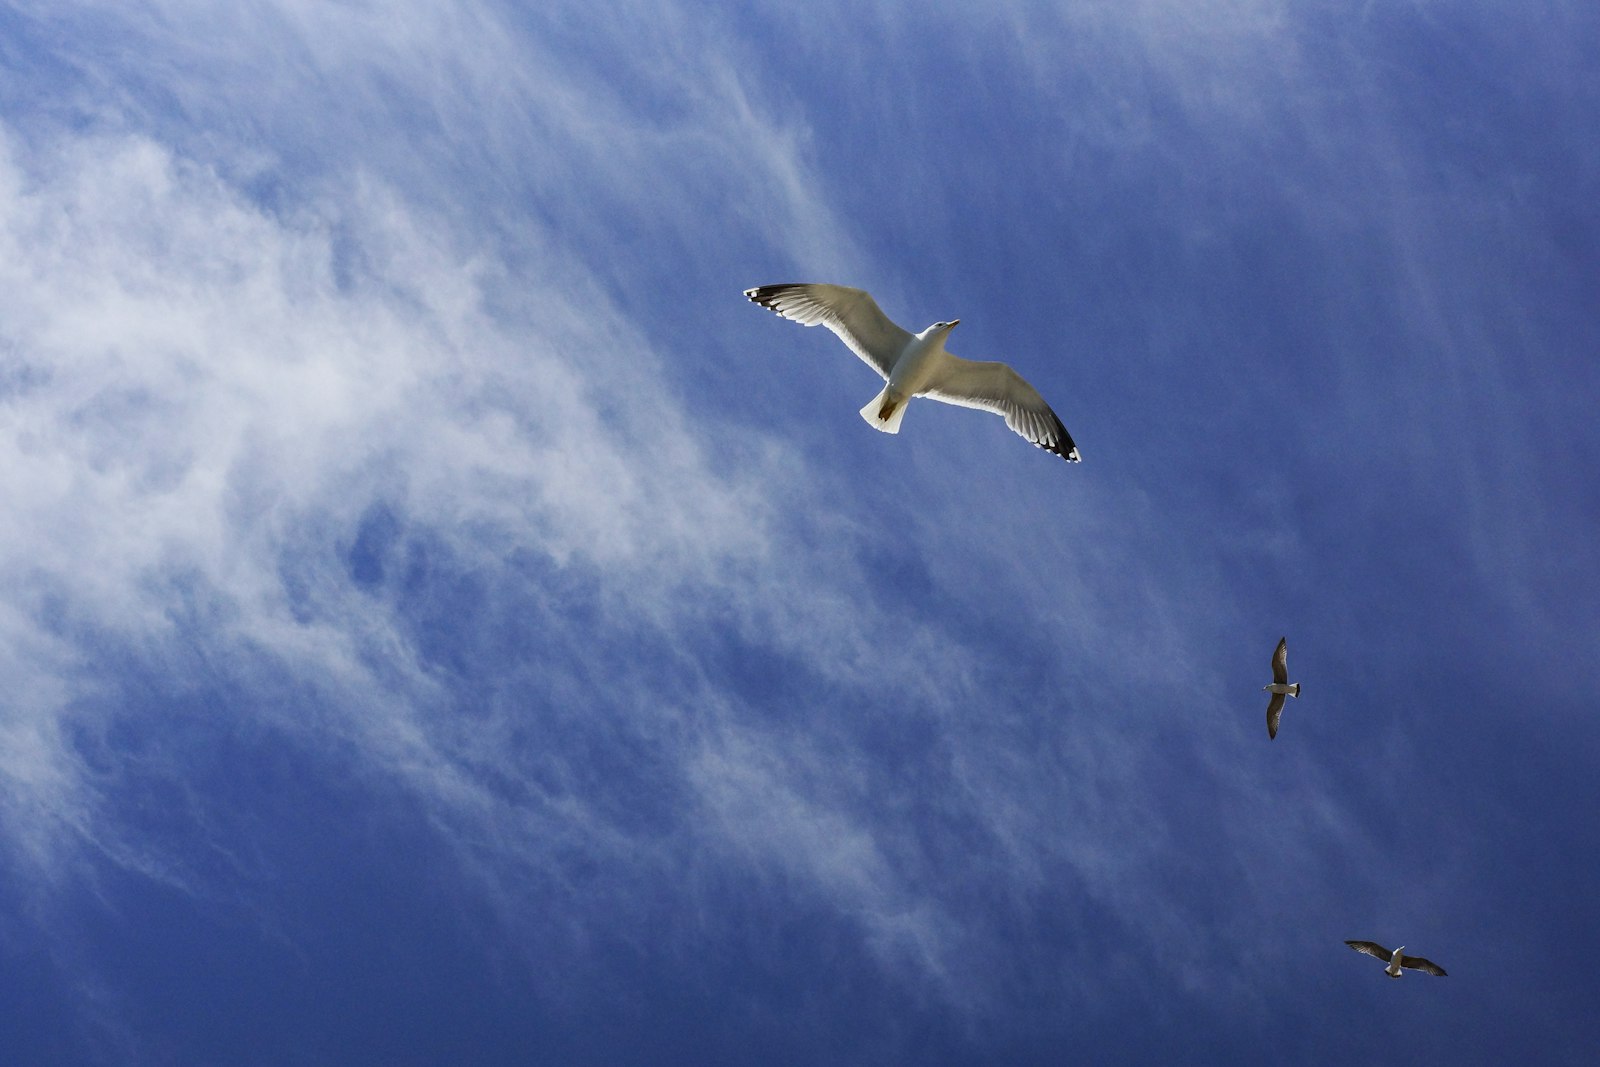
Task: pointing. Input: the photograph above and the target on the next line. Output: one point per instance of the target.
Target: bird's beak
(954, 323)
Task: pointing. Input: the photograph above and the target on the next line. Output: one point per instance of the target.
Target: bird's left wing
(852, 314)
(996, 387)
(1280, 662)
(1417, 963)
(1371, 948)
(1274, 713)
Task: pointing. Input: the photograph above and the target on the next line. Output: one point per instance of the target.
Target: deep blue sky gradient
(445, 623)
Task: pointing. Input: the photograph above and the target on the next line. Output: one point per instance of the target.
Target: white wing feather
(851, 314)
(996, 387)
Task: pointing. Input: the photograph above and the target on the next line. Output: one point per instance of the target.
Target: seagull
(1396, 961)
(917, 364)
(1280, 685)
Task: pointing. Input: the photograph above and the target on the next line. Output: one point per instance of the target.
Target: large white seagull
(917, 364)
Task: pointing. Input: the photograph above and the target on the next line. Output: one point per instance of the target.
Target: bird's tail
(884, 412)
(1296, 690)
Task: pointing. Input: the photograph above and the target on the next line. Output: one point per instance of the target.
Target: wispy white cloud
(196, 389)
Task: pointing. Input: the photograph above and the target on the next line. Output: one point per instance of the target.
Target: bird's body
(914, 369)
(1397, 959)
(1279, 687)
(914, 365)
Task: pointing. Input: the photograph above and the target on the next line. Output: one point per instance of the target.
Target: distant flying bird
(1280, 685)
(1396, 961)
(917, 364)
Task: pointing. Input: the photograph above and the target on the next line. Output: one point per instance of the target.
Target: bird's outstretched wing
(1274, 713)
(1417, 963)
(1372, 948)
(996, 387)
(851, 314)
(1280, 662)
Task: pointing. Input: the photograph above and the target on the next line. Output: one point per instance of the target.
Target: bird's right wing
(996, 387)
(1280, 662)
(1417, 963)
(1371, 948)
(851, 314)
(1274, 713)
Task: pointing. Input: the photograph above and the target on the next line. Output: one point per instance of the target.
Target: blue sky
(444, 622)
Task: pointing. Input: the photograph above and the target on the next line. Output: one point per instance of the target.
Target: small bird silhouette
(1396, 961)
(1280, 685)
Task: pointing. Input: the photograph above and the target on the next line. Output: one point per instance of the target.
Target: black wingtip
(1064, 446)
(766, 295)
(767, 292)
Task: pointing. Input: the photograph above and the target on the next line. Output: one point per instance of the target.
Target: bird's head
(939, 328)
